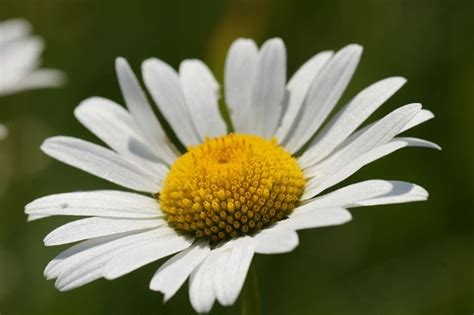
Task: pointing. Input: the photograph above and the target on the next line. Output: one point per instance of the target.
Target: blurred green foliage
(393, 260)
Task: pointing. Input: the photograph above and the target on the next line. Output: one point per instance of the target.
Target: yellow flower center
(230, 186)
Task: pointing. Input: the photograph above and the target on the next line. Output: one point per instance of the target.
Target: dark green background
(395, 260)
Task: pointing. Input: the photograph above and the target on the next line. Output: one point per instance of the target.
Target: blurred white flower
(231, 195)
(3, 132)
(20, 58)
(20, 55)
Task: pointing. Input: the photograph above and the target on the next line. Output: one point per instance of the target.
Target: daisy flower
(237, 189)
(19, 58)
(3, 132)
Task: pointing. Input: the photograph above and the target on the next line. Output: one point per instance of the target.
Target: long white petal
(268, 91)
(423, 116)
(112, 124)
(420, 117)
(298, 87)
(38, 79)
(92, 264)
(350, 118)
(416, 142)
(367, 192)
(103, 163)
(325, 91)
(174, 272)
(201, 91)
(231, 269)
(318, 218)
(95, 227)
(140, 108)
(403, 192)
(378, 134)
(239, 73)
(33, 217)
(222, 274)
(163, 83)
(317, 185)
(275, 240)
(143, 253)
(201, 285)
(88, 265)
(101, 203)
(18, 58)
(77, 252)
(14, 29)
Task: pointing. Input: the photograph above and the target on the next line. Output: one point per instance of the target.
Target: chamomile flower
(19, 59)
(237, 190)
(3, 132)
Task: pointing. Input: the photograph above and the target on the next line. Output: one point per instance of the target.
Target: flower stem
(250, 299)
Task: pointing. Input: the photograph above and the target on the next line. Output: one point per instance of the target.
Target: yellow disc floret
(230, 186)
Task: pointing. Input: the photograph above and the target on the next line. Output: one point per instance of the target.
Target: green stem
(250, 298)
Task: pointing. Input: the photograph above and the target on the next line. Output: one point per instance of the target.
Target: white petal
(77, 253)
(363, 193)
(350, 118)
(102, 203)
(268, 91)
(402, 192)
(317, 185)
(201, 283)
(239, 73)
(317, 218)
(42, 78)
(362, 148)
(33, 217)
(95, 227)
(140, 108)
(231, 269)
(143, 253)
(93, 263)
(378, 134)
(13, 29)
(3, 132)
(163, 83)
(173, 273)
(298, 87)
(415, 142)
(325, 91)
(275, 240)
(103, 163)
(87, 265)
(421, 117)
(202, 92)
(116, 127)
(18, 58)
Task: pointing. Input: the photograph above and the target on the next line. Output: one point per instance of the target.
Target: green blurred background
(401, 259)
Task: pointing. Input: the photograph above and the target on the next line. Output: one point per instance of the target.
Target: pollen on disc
(231, 186)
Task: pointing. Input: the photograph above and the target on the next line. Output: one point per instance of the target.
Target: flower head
(230, 186)
(237, 190)
(19, 58)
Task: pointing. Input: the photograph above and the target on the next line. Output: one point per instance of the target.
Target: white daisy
(19, 59)
(3, 132)
(230, 195)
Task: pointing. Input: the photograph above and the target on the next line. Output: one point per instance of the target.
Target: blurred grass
(399, 259)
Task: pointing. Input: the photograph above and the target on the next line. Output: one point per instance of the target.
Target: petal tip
(120, 60)
(354, 48)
